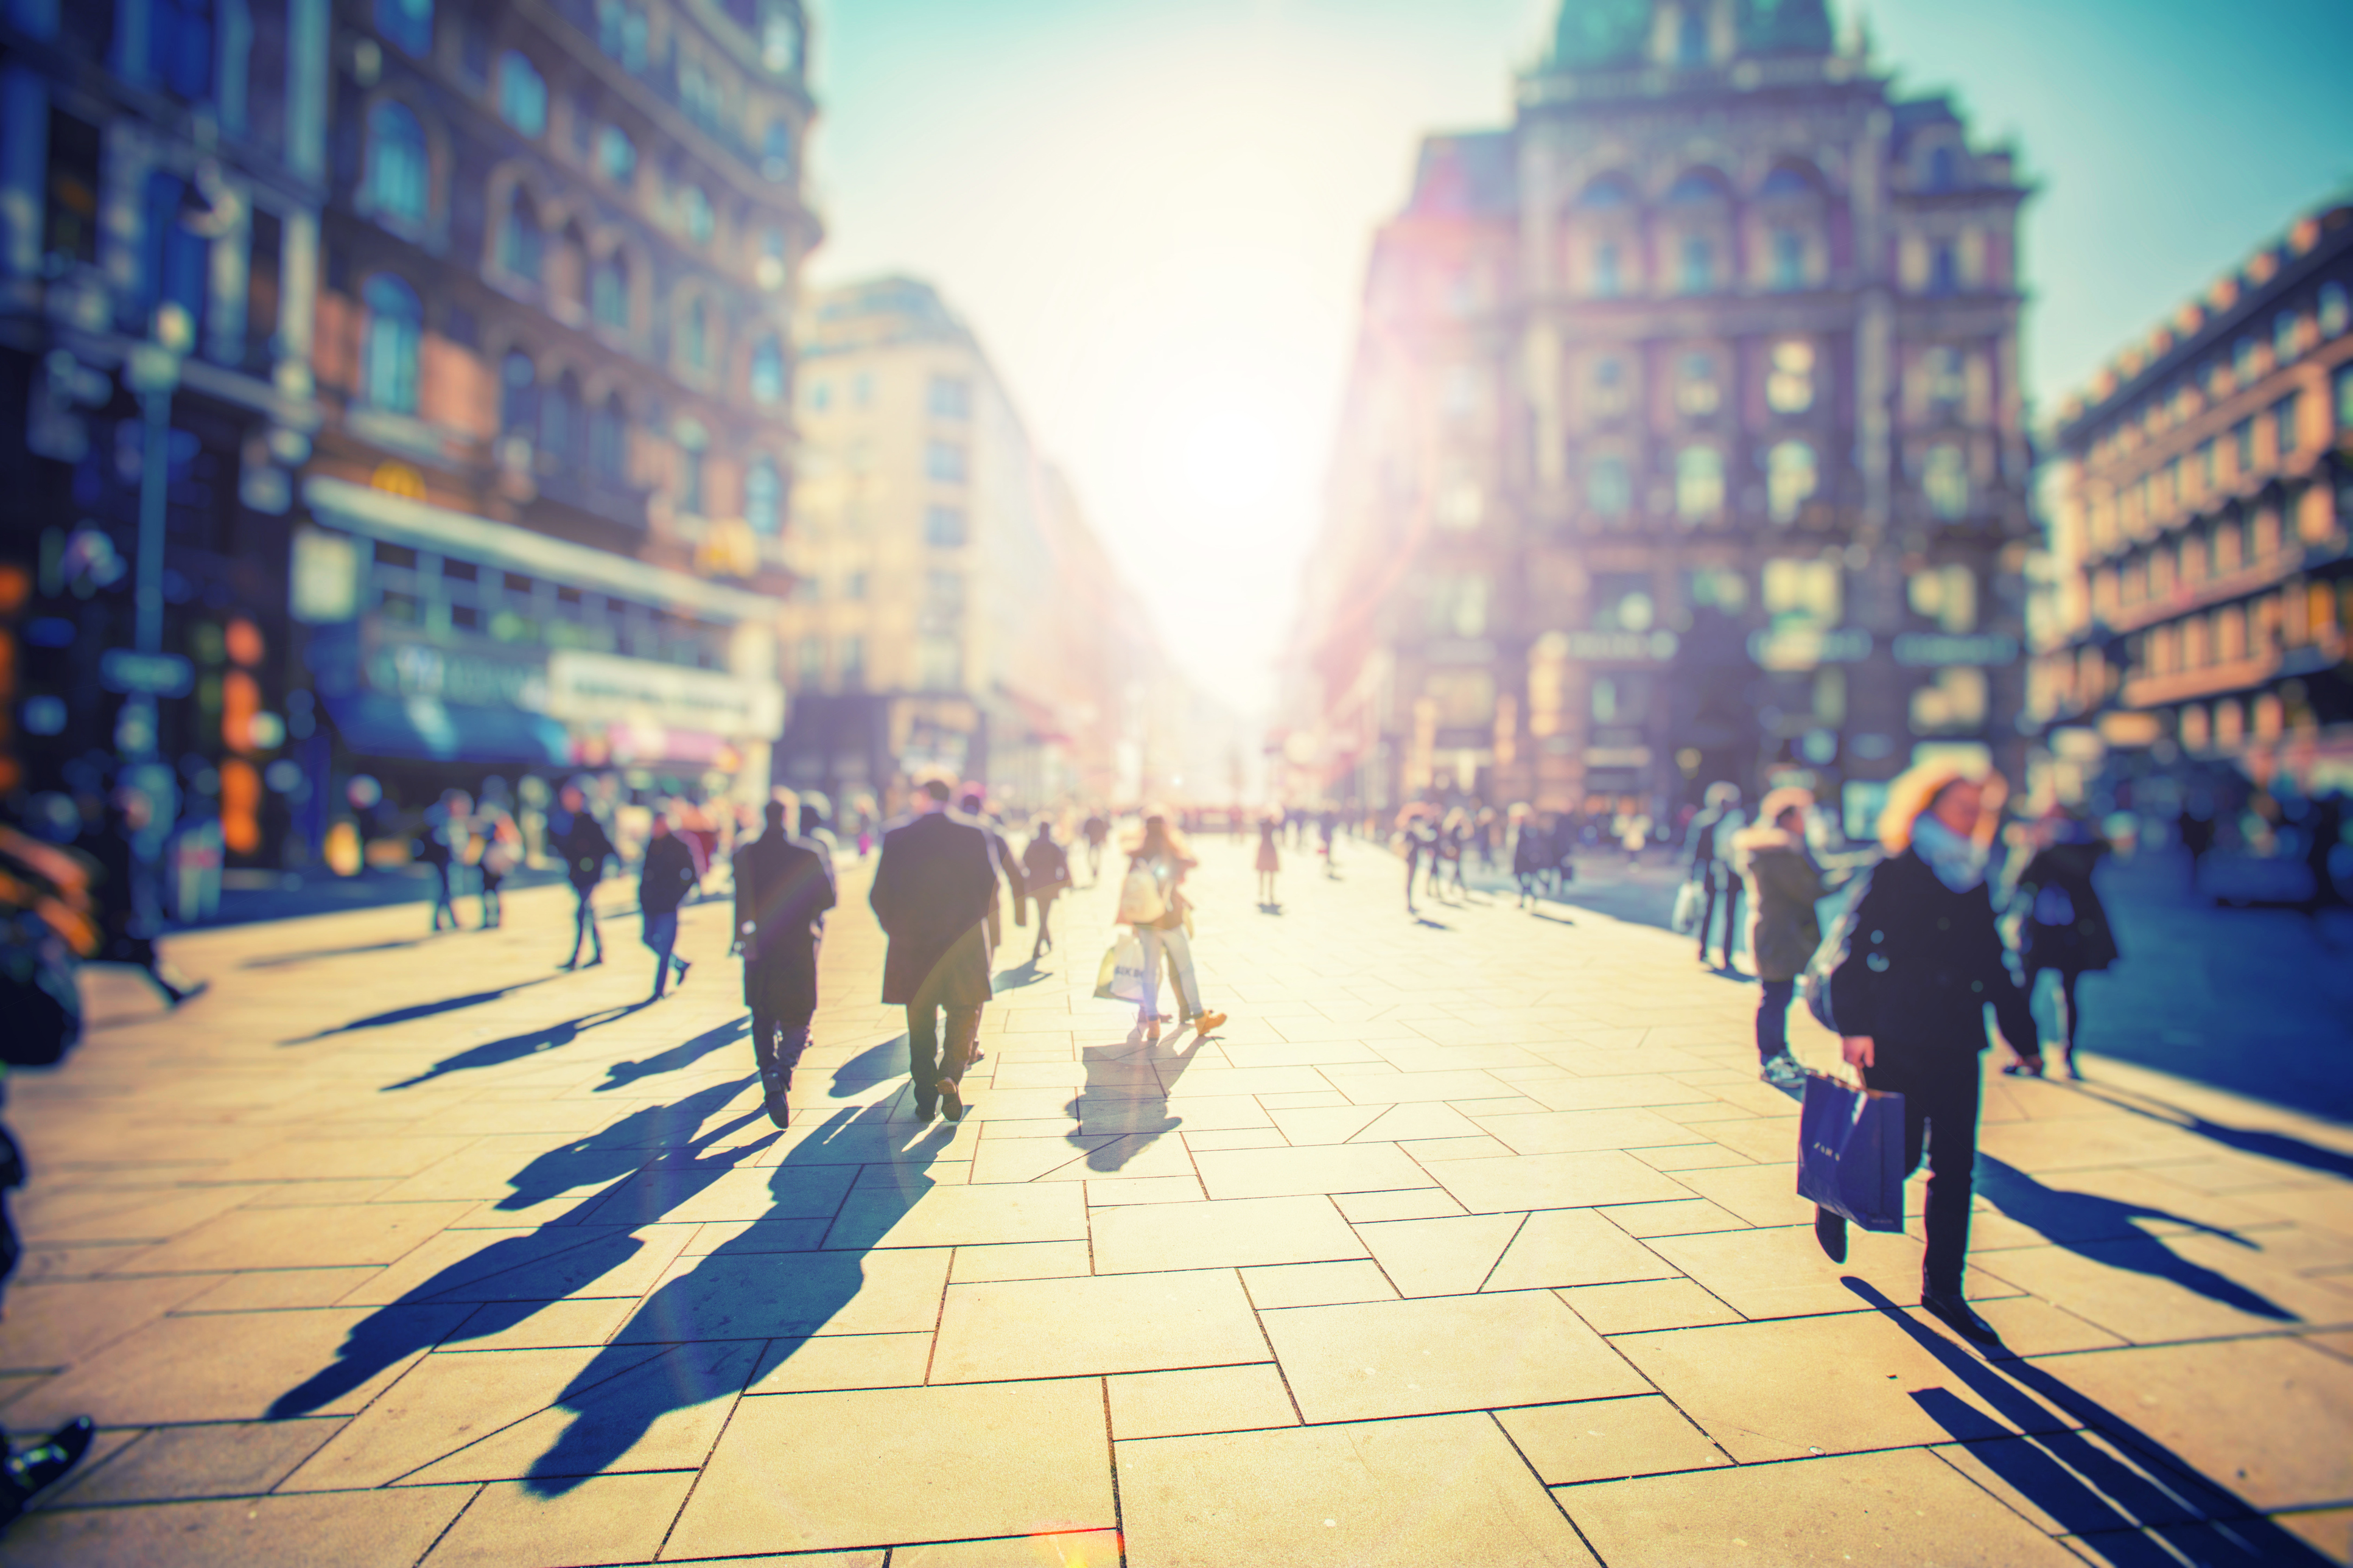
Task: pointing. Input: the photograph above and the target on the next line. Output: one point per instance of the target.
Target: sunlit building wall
(1684, 439)
(2203, 577)
(952, 609)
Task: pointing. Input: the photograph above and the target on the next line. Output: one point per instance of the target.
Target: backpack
(1141, 900)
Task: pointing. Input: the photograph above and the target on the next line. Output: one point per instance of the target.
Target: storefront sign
(1804, 647)
(1932, 648)
(1622, 647)
(607, 689)
(398, 667)
(156, 674)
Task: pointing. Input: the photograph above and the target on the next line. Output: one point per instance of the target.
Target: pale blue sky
(1156, 212)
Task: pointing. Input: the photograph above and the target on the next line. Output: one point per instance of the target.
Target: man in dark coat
(581, 839)
(668, 875)
(1009, 864)
(784, 885)
(933, 891)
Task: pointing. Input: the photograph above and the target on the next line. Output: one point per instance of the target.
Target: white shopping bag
(1121, 977)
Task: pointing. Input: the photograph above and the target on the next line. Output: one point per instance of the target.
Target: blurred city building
(2201, 576)
(1684, 439)
(952, 609)
(480, 446)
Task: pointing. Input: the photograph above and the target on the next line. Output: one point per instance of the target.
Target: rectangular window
(944, 462)
(2345, 398)
(853, 662)
(939, 663)
(951, 397)
(2284, 427)
(264, 254)
(2243, 449)
(1789, 258)
(943, 528)
(810, 665)
(1698, 264)
(1607, 281)
(69, 226)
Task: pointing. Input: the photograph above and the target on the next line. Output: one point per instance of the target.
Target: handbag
(1120, 976)
(1850, 1152)
(1685, 918)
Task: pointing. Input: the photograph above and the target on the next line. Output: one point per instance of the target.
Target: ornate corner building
(1684, 439)
(2202, 570)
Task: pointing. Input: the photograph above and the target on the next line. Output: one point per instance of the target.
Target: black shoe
(36, 1466)
(1950, 1310)
(923, 1112)
(951, 1100)
(682, 967)
(779, 1112)
(1829, 1229)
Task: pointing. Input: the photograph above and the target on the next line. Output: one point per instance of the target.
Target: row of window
(2150, 577)
(939, 663)
(2250, 356)
(2197, 476)
(1793, 476)
(548, 412)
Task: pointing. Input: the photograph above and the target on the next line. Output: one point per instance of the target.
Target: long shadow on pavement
(678, 1058)
(560, 1249)
(515, 1047)
(421, 1010)
(2102, 1230)
(1123, 1108)
(2109, 1506)
(2245, 1139)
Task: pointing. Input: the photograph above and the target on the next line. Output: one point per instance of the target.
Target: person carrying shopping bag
(1152, 901)
(1907, 998)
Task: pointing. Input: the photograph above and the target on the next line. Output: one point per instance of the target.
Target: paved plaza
(1468, 1240)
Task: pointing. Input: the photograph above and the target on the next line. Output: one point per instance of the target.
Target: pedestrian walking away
(1152, 901)
(1531, 852)
(1046, 871)
(1907, 999)
(1415, 840)
(581, 839)
(1453, 843)
(1784, 886)
(124, 899)
(784, 885)
(935, 886)
(1328, 828)
(1097, 833)
(441, 846)
(2065, 930)
(501, 850)
(668, 875)
(1711, 864)
(1009, 865)
(1270, 860)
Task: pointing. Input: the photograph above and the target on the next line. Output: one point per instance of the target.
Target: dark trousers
(1773, 1019)
(782, 1007)
(1045, 937)
(661, 935)
(1940, 1116)
(930, 1058)
(1721, 881)
(584, 922)
(442, 905)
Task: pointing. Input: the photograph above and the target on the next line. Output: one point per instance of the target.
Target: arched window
(1789, 478)
(395, 328)
(1943, 270)
(776, 151)
(1785, 184)
(2333, 310)
(1945, 477)
(1609, 271)
(762, 497)
(522, 94)
(1696, 274)
(694, 446)
(1699, 484)
(518, 394)
(1608, 491)
(1789, 258)
(695, 215)
(397, 167)
(694, 336)
(767, 371)
(609, 440)
(608, 291)
(407, 23)
(1691, 38)
(520, 241)
(1942, 172)
(559, 418)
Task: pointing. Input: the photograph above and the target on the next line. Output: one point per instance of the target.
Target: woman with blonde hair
(1909, 1000)
(1152, 900)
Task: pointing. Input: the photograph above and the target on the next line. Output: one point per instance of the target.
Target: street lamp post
(152, 372)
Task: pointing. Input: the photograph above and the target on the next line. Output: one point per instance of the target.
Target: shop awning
(424, 728)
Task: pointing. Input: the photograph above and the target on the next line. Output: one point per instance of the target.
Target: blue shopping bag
(1850, 1152)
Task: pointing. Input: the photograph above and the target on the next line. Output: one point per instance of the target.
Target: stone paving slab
(1466, 1244)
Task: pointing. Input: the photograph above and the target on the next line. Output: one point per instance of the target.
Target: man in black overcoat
(784, 885)
(933, 889)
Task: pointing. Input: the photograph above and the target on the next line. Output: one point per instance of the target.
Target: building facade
(952, 609)
(1684, 439)
(162, 170)
(2201, 576)
(546, 507)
